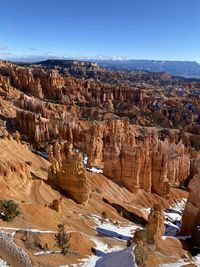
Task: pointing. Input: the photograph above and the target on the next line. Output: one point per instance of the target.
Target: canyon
(105, 153)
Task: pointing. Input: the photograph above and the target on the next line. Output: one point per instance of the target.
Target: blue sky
(140, 29)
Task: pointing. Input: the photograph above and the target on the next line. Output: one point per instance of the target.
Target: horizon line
(38, 58)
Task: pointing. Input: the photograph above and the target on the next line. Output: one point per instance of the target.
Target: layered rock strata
(145, 98)
(139, 161)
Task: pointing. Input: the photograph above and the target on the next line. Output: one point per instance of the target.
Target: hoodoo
(88, 156)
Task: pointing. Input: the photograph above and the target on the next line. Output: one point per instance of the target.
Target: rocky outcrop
(142, 160)
(56, 205)
(155, 227)
(13, 168)
(93, 144)
(145, 98)
(68, 173)
(191, 214)
(43, 121)
(53, 106)
(136, 159)
(147, 240)
(4, 84)
(3, 131)
(23, 79)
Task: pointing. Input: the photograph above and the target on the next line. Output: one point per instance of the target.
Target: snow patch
(124, 257)
(3, 263)
(102, 248)
(90, 262)
(27, 230)
(120, 258)
(106, 256)
(107, 228)
(95, 170)
(99, 244)
(85, 160)
(46, 252)
(197, 259)
(173, 217)
(176, 264)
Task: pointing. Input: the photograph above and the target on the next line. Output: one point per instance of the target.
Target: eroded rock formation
(10, 168)
(146, 98)
(191, 214)
(68, 172)
(45, 121)
(143, 161)
(146, 240)
(51, 105)
(155, 227)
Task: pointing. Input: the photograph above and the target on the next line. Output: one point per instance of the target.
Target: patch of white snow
(120, 258)
(3, 263)
(95, 170)
(46, 252)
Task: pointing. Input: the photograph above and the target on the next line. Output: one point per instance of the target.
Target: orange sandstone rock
(70, 176)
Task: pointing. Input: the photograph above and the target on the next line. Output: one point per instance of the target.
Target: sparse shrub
(116, 223)
(30, 245)
(104, 215)
(63, 240)
(8, 210)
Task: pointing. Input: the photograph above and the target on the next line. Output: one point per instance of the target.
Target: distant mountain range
(188, 69)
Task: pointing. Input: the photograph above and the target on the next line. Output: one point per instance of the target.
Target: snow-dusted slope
(120, 258)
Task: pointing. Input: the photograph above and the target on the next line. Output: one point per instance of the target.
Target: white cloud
(38, 56)
(3, 47)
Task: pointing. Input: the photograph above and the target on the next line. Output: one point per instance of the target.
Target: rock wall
(145, 98)
(42, 122)
(133, 159)
(143, 161)
(53, 106)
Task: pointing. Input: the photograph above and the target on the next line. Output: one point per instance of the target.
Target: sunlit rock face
(191, 214)
(50, 105)
(43, 121)
(69, 174)
(155, 226)
(144, 161)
